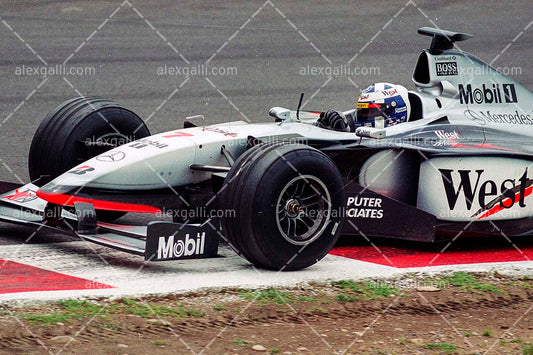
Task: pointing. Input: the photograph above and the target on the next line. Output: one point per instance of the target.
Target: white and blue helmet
(381, 105)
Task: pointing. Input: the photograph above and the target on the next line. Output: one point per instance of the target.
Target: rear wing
(442, 39)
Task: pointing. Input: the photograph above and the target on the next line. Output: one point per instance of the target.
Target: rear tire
(78, 130)
(287, 201)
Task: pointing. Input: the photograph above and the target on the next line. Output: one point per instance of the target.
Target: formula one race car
(280, 193)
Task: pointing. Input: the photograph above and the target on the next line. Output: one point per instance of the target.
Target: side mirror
(370, 132)
(280, 113)
(189, 124)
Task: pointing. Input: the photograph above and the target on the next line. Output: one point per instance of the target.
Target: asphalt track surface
(263, 53)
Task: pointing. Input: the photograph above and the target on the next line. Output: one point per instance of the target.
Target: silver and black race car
(281, 193)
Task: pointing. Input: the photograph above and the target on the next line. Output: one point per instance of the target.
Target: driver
(380, 105)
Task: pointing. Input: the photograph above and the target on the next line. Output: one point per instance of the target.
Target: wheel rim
(303, 210)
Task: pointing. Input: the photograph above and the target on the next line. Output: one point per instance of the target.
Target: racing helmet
(382, 105)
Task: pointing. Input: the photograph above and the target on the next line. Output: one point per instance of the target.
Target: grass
(525, 284)
(527, 349)
(240, 342)
(341, 297)
(308, 299)
(443, 348)
(47, 319)
(146, 310)
(353, 291)
(269, 295)
(70, 310)
(486, 333)
(468, 282)
(273, 295)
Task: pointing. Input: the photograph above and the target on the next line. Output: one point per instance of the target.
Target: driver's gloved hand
(332, 119)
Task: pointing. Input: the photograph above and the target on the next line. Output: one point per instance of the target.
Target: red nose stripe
(68, 200)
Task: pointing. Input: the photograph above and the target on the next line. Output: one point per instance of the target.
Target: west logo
(221, 131)
(447, 135)
(168, 247)
(21, 196)
(488, 193)
(389, 92)
(498, 94)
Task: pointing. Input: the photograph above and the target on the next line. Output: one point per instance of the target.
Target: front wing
(159, 240)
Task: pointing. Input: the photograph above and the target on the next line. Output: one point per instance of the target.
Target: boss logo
(446, 68)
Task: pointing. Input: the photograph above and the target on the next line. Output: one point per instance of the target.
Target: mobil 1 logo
(493, 93)
(175, 241)
(446, 68)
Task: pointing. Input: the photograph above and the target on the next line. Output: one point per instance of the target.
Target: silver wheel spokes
(304, 207)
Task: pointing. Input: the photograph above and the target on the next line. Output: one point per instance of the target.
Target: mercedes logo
(471, 115)
(111, 157)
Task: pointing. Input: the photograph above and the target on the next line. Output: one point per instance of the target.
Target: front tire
(287, 201)
(78, 130)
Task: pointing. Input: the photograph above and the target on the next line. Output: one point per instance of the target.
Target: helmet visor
(366, 111)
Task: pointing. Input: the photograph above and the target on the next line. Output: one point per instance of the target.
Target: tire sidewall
(94, 127)
(57, 142)
(278, 250)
